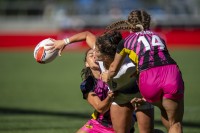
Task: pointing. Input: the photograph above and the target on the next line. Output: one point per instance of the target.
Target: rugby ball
(43, 56)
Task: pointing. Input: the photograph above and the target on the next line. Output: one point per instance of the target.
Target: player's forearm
(115, 66)
(112, 72)
(83, 36)
(104, 105)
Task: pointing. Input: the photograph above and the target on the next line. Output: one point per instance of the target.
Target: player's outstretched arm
(87, 36)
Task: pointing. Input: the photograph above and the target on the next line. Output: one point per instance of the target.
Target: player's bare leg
(175, 111)
(121, 117)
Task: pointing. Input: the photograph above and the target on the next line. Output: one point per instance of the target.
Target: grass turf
(45, 98)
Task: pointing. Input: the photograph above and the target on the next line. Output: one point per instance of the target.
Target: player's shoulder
(120, 46)
(131, 35)
(88, 84)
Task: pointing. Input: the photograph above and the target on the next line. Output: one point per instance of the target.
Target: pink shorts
(161, 82)
(93, 126)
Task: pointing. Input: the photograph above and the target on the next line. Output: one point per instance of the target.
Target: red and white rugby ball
(43, 56)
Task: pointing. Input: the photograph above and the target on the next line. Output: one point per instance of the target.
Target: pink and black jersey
(146, 49)
(101, 89)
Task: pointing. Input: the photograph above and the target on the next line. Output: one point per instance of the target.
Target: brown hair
(86, 71)
(107, 43)
(107, 46)
(138, 20)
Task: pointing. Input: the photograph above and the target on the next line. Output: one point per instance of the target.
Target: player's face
(98, 54)
(91, 60)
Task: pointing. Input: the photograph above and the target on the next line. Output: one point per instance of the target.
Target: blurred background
(59, 14)
(37, 98)
(33, 19)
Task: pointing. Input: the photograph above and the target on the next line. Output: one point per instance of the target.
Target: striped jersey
(101, 89)
(146, 49)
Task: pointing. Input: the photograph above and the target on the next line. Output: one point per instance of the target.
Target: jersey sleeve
(120, 46)
(87, 86)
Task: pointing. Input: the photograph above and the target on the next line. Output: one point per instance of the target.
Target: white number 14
(155, 42)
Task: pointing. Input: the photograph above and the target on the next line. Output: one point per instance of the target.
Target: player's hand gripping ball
(43, 56)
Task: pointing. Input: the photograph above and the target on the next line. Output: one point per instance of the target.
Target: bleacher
(63, 14)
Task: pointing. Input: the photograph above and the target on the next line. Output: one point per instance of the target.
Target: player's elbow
(88, 33)
(101, 110)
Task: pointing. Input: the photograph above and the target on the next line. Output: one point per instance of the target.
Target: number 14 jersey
(146, 49)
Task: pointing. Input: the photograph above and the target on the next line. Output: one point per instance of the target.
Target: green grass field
(37, 98)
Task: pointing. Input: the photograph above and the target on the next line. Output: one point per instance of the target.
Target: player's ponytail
(138, 20)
